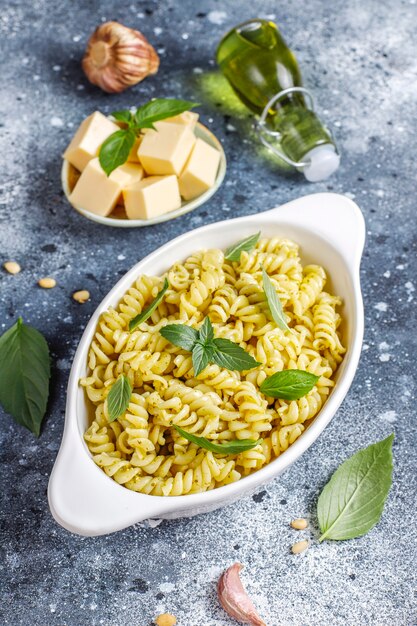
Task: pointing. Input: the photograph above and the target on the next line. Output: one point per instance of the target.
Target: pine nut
(300, 546)
(12, 267)
(47, 283)
(166, 619)
(81, 296)
(299, 524)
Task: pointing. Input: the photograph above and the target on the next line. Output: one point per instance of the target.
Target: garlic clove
(234, 598)
(118, 57)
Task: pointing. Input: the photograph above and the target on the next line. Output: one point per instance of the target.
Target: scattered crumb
(57, 122)
(153, 523)
(47, 283)
(299, 524)
(300, 546)
(389, 416)
(217, 17)
(12, 267)
(81, 296)
(165, 619)
(381, 306)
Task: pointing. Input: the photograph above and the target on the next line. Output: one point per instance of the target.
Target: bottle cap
(322, 161)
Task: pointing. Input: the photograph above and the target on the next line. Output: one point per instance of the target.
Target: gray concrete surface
(359, 59)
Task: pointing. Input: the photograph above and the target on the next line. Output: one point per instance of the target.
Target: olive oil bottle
(264, 74)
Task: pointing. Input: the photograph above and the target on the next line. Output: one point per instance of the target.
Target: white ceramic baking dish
(331, 231)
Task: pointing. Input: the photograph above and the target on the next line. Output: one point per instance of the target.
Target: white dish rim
(91, 506)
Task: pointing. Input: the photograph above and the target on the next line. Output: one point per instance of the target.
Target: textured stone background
(359, 59)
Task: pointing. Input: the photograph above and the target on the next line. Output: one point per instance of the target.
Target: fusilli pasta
(141, 450)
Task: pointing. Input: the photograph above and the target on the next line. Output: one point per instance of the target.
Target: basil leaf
(246, 245)
(119, 397)
(24, 375)
(160, 109)
(147, 312)
(202, 355)
(206, 332)
(180, 335)
(274, 303)
(289, 384)
(221, 351)
(115, 150)
(232, 356)
(353, 500)
(228, 447)
(123, 116)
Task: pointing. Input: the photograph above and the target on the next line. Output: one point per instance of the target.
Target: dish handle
(85, 501)
(333, 216)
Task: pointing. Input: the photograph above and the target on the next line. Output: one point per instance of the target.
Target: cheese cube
(151, 197)
(199, 173)
(188, 118)
(98, 193)
(133, 154)
(165, 150)
(86, 142)
(127, 174)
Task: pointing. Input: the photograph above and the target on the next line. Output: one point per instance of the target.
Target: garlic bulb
(118, 57)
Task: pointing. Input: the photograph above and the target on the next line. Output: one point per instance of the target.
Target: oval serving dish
(118, 217)
(331, 231)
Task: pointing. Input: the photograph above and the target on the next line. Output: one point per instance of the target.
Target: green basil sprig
(206, 331)
(274, 303)
(202, 355)
(116, 148)
(124, 116)
(119, 397)
(289, 384)
(181, 335)
(231, 356)
(147, 312)
(24, 375)
(228, 447)
(353, 500)
(160, 109)
(205, 349)
(246, 245)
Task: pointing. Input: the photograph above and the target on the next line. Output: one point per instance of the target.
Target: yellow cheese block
(188, 118)
(165, 150)
(133, 154)
(98, 193)
(87, 140)
(127, 174)
(152, 196)
(199, 173)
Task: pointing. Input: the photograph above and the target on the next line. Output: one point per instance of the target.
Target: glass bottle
(264, 74)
